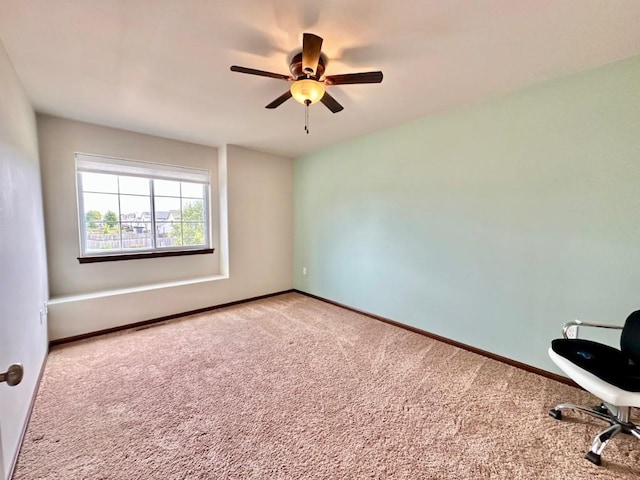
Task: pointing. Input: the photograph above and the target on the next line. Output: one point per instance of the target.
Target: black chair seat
(614, 378)
(605, 362)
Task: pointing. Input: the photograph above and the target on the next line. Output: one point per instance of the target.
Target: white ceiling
(162, 66)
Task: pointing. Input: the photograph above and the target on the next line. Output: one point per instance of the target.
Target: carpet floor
(292, 387)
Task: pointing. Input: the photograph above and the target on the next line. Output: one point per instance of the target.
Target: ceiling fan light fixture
(307, 91)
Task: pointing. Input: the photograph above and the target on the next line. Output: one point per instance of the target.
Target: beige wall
(253, 252)
(23, 273)
(59, 140)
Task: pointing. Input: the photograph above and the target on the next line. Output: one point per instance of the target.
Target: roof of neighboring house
(161, 216)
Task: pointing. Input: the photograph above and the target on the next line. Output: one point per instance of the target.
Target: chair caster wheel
(557, 414)
(593, 458)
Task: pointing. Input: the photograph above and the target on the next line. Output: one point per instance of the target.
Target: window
(129, 209)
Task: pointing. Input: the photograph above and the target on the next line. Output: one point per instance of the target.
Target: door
(23, 268)
(23, 292)
(1, 461)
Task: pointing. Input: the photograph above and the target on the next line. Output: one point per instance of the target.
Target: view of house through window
(122, 210)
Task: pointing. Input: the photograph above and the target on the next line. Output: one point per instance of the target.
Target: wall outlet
(304, 270)
(572, 331)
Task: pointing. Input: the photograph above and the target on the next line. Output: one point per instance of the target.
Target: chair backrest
(630, 338)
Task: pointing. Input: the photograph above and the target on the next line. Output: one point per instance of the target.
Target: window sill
(84, 297)
(139, 256)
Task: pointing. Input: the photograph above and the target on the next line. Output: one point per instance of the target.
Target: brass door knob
(13, 375)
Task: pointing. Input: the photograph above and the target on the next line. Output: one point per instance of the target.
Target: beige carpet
(291, 387)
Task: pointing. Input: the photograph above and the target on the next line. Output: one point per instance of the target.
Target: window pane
(99, 182)
(194, 190)
(192, 210)
(167, 209)
(127, 227)
(163, 223)
(166, 188)
(193, 233)
(134, 185)
(96, 207)
(134, 207)
(139, 238)
(100, 242)
(168, 234)
(175, 235)
(168, 231)
(102, 226)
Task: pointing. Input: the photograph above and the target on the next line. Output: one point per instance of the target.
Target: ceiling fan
(307, 68)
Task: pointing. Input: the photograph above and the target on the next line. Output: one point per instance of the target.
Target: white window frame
(92, 163)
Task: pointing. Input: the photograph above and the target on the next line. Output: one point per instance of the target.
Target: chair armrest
(580, 323)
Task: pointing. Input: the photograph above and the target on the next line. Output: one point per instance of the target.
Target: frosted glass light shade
(308, 89)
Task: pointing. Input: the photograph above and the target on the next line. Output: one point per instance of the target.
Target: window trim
(114, 257)
(92, 163)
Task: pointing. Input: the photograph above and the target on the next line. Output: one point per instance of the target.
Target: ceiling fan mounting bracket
(297, 72)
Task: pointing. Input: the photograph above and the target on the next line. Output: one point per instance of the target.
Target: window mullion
(153, 214)
(205, 214)
(181, 217)
(82, 214)
(120, 217)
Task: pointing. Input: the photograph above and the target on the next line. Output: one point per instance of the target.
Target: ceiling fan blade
(331, 103)
(280, 100)
(352, 78)
(311, 47)
(261, 73)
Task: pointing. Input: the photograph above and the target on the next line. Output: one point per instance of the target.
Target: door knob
(13, 375)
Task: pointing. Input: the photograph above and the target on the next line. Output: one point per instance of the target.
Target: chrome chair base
(617, 417)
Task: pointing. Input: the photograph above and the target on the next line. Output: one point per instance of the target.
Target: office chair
(610, 374)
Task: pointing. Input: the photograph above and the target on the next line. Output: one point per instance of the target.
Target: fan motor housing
(295, 67)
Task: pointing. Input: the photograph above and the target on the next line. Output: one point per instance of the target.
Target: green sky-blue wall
(490, 225)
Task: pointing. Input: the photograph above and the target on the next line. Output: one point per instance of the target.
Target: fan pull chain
(306, 115)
